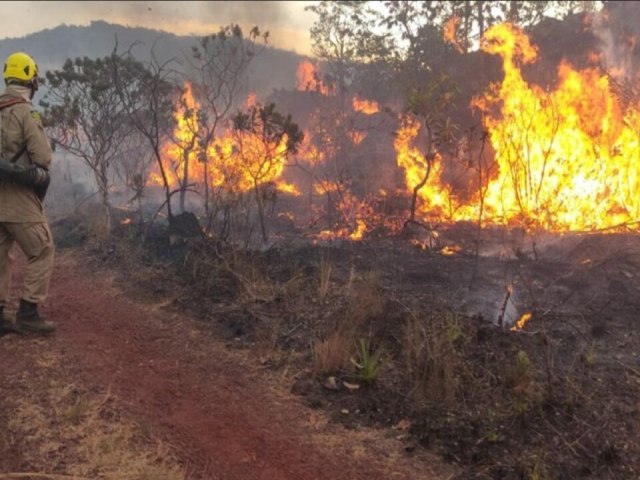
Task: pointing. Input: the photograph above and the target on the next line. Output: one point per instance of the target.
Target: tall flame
(567, 159)
(236, 161)
(309, 78)
(182, 151)
(435, 197)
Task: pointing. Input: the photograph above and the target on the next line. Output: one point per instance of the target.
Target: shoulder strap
(15, 158)
(8, 103)
(13, 101)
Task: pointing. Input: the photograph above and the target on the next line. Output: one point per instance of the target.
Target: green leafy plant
(368, 362)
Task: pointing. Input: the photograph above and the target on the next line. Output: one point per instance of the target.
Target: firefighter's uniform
(22, 216)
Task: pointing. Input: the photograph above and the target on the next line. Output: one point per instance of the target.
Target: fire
(368, 107)
(183, 150)
(595, 58)
(522, 321)
(450, 30)
(236, 161)
(356, 136)
(355, 216)
(251, 101)
(361, 228)
(450, 250)
(309, 78)
(289, 188)
(421, 244)
(567, 159)
(324, 186)
(309, 153)
(240, 162)
(435, 197)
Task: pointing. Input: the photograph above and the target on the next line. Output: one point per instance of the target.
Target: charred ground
(557, 399)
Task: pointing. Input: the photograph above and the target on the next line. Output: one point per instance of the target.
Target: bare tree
(85, 116)
(148, 90)
(133, 167)
(185, 138)
(220, 64)
(431, 106)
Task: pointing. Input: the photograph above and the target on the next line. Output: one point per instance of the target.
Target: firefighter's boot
(28, 320)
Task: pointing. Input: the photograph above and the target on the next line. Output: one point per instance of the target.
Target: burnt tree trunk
(185, 178)
(417, 188)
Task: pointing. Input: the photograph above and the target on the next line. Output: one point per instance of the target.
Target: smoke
(259, 13)
(287, 22)
(617, 28)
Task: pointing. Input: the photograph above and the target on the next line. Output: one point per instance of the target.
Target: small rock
(315, 402)
(331, 383)
(303, 387)
(409, 447)
(351, 386)
(403, 425)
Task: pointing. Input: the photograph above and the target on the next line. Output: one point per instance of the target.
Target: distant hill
(273, 69)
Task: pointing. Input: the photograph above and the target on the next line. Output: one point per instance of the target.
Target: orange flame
(356, 215)
(251, 101)
(522, 321)
(421, 244)
(356, 136)
(323, 187)
(183, 150)
(368, 107)
(289, 188)
(450, 250)
(309, 153)
(567, 159)
(435, 198)
(450, 30)
(236, 161)
(309, 78)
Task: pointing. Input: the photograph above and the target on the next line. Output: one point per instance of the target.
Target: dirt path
(221, 416)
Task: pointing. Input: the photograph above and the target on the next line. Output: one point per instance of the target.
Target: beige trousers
(36, 243)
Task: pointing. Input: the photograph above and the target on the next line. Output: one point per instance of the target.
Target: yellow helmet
(21, 67)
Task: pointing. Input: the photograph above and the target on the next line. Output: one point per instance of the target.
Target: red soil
(223, 417)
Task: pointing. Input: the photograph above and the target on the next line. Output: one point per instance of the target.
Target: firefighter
(22, 217)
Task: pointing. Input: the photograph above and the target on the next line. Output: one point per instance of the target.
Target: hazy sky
(287, 22)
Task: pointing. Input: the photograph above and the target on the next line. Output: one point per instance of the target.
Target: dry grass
(526, 391)
(59, 428)
(255, 284)
(365, 301)
(430, 355)
(332, 354)
(325, 268)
